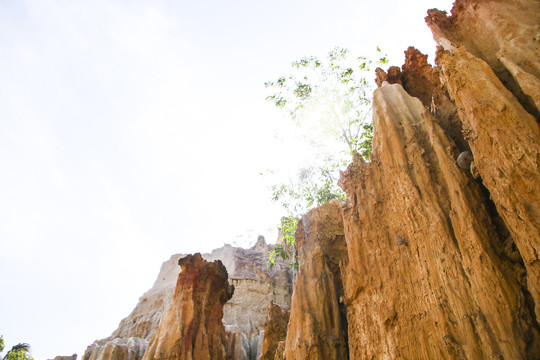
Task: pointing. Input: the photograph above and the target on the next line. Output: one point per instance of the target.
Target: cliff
(490, 63)
(425, 277)
(244, 314)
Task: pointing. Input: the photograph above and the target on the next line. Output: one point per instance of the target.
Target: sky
(134, 130)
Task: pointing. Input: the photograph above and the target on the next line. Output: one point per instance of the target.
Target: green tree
(285, 248)
(18, 352)
(330, 98)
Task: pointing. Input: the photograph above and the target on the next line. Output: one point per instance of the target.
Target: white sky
(134, 130)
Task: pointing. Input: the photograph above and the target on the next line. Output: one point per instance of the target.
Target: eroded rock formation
(504, 34)
(505, 142)
(275, 330)
(425, 279)
(422, 80)
(485, 97)
(131, 348)
(192, 327)
(244, 315)
(317, 327)
(433, 269)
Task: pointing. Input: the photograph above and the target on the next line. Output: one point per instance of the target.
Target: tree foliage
(285, 249)
(20, 351)
(330, 98)
(334, 94)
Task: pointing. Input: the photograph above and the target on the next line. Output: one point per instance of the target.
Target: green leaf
(332, 95)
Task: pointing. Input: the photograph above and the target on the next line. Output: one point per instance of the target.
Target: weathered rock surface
(421, 80)
(441, 265)
(318, 324)
(505, 34)
(280, 350)
(118, 348)
(392, 76)
(275, 330)
(505, 142)
(237, 343)
(425, 278)
(244, 315)
(192, 327)
(72, 357)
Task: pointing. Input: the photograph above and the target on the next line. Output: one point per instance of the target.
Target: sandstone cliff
(505, 141)
(244, 315)
(318, 324)
(434, 271)
(489, 61)
(425, 279)
(192, 327)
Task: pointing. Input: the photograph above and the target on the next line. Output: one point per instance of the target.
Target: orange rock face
(498, 122)
(280, 350)
(192, 328)
(502, 33)
(421, 80)
(427, 277)
(275, 330)
(317, 327)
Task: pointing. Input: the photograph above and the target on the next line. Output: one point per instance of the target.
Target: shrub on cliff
(17, 352)
(330, 99)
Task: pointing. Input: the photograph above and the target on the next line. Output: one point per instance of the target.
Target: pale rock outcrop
(118, 348)
(237, 343)
(192, 327)
(426, 277)
(256, 285)
(244, 316)
(275, 330)
(318, 324)
(72, 357)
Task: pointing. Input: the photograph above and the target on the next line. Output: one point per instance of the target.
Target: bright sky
(134, 130)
